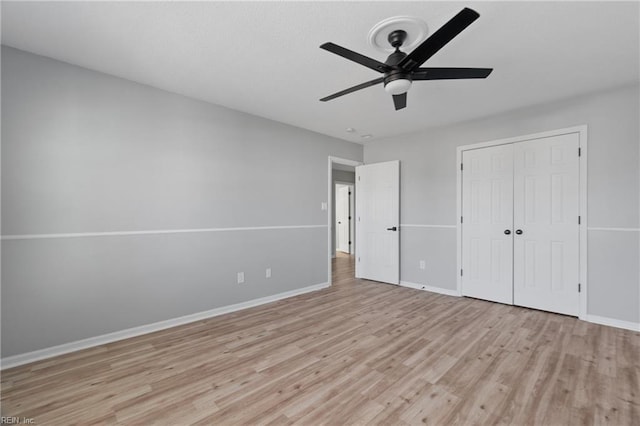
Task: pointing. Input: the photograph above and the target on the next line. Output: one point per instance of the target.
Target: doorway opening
(344, 207)
(341, 219)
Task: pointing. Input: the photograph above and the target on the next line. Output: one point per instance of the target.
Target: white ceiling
(264, 58)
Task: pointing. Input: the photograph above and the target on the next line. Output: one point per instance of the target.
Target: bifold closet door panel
(487, 211)
(546, 233)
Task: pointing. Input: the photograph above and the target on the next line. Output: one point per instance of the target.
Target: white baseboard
(627, 325)
(432, 289)
(16, 360)
(612, 322)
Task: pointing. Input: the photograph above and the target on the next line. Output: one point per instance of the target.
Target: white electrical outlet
(240, 277)
(423, 264)
(268, 273)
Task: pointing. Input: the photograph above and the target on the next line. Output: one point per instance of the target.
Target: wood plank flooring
(357, 353)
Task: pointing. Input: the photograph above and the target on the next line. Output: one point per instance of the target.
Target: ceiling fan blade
(444, 35)
(400, 101)
(353, 89)
(356, 57)
(449, 73)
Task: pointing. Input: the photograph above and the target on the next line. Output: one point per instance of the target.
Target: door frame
(582, 205)
(331, 161)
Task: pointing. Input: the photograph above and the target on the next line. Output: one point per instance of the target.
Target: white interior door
(546, 208)
(487, 214)
(342, 218)
(378, 224)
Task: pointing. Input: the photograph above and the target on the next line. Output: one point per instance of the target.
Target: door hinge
(358, 259)
(579, 152)
(461, 166)
(461, 219)
(460, 272)
(358, 177)
(349, 242)
(349, 217)
(579, 220)
(579, 288)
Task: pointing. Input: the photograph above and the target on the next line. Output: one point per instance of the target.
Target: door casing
(582, 133)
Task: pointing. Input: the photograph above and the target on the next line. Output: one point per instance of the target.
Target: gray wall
(428, 192)
(84, 152)
(340, 176)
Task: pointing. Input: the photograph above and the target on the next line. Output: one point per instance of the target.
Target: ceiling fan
(400, 69)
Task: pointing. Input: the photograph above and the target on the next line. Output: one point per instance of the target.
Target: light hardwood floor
(357, 353)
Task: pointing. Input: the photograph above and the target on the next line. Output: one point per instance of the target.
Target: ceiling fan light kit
(401, 69)
(397, 87)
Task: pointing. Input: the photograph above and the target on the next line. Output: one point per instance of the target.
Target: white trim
(346, 162)
(430, 288)
(411, 225)
(582, 229)
(152, 232)
(576, 129)
(65, 348)
(458, 217)
(582, 132)
(612, 322)
(594, 228)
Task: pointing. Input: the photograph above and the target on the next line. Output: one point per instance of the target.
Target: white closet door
(546, 208)
(487, 211)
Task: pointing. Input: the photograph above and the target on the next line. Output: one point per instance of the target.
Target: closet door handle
(518, 231)
(507, 231)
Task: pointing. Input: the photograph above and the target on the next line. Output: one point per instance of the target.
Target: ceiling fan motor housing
(396, 72)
